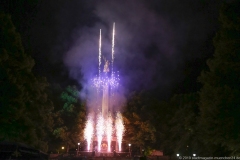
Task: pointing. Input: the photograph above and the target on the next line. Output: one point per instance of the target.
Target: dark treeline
(25, 109)
(47, 115)
(205, 122)
(32, 111)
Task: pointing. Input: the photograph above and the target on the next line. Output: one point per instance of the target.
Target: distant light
(78, 143)
(194, 155)
(129, 144)
(62, 147)
(177, 155)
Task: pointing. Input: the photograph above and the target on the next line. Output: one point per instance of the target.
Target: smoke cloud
(142, 42)
(153, 39)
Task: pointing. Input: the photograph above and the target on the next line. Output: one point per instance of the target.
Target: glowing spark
(88, 132)
(109, 131)
(113, 82)
(113, 35)
(100, 130)
(119, 129)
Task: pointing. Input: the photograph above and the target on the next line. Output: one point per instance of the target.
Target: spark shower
(104, 125)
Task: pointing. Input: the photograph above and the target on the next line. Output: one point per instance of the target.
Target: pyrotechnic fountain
(108, 125)
(89, 132)
(119, 130)
(109, 131)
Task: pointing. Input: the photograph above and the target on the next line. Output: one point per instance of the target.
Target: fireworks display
(102, 80)
(105, 130)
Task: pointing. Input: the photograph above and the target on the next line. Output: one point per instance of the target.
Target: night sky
(161, 45)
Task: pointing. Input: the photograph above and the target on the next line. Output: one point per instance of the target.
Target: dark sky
(160, 44)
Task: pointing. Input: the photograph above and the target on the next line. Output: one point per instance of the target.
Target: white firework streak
(113, 43)
(119, 129)
(100, 54)
(100, 130)
(88, 132)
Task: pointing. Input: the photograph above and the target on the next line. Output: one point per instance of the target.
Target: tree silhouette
(25, 109)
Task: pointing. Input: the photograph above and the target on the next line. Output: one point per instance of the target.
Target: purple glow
(101, 81)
